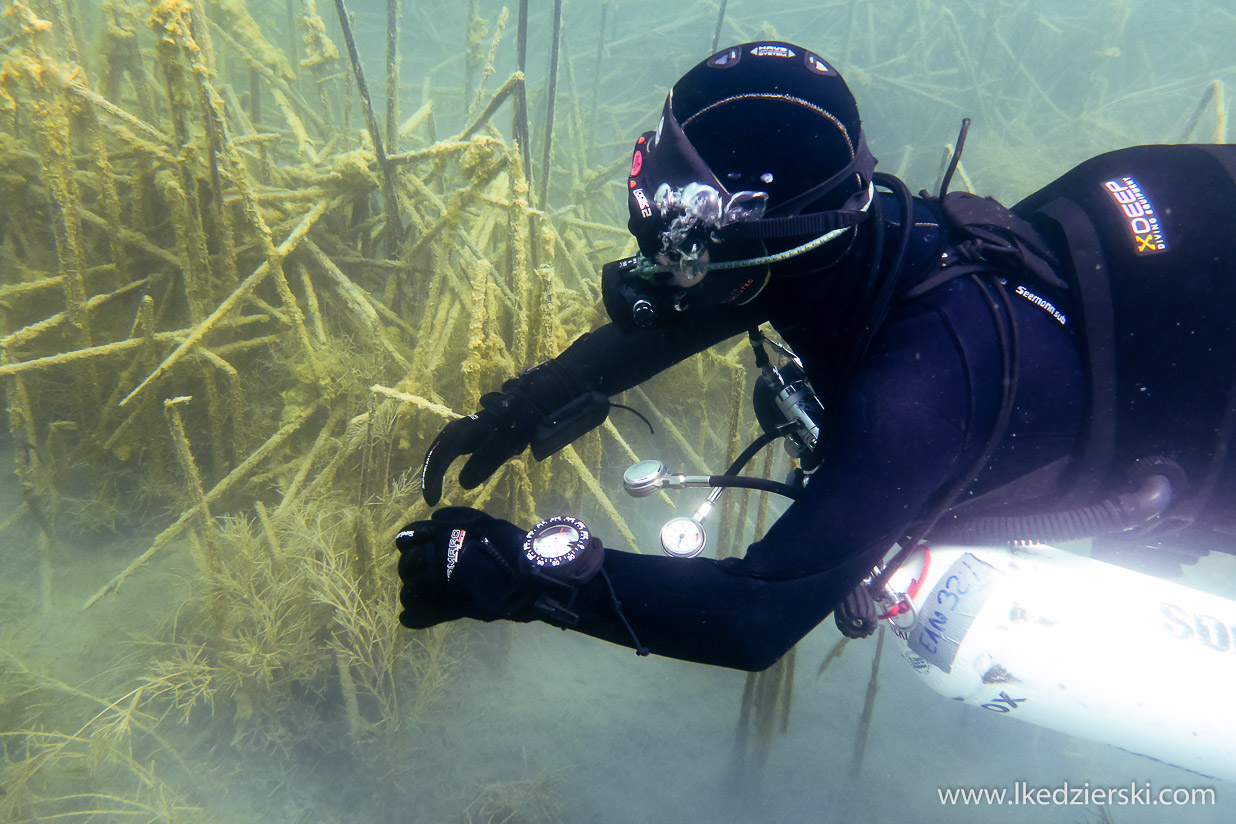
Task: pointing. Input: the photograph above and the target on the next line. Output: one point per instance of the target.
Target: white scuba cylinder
(1076, 645)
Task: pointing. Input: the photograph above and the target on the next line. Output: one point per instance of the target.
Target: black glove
(462, 563)
(498, 432)
(543, 407)
(856, 615)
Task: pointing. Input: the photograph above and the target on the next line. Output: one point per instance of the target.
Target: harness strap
(1092, 281)
(990, 236)
(1046, 481)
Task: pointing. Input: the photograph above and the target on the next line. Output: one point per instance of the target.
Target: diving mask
(686, 221)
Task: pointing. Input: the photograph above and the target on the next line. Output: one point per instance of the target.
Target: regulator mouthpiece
(696, 214)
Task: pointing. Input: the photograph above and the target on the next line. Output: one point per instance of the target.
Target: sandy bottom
(591, 731)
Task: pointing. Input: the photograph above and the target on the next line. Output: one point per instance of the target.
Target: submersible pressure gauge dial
(683, 537)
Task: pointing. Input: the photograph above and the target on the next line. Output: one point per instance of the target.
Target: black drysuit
(911, 420)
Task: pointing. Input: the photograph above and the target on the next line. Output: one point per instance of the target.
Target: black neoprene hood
(766, 117)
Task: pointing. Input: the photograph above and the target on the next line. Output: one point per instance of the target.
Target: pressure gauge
(644, 478)
(556, 541)
(683, 537)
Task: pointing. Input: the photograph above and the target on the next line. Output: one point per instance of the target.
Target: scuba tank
(1075, 645)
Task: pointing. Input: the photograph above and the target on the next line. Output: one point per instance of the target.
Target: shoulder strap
(1091, 276)
(1082, 474)
(988, 236)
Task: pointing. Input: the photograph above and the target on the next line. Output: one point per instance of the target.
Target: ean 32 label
(949, 610)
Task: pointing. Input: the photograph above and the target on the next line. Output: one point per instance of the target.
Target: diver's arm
(746, 613)
(551, 404)
(899, 438)
(896, 440)
(612, 359)
(913, 421)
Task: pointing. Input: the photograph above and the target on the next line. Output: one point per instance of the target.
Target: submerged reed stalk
(864, 723)
(833, 654)
(488, 69)
(394, 11)
(767, 700)
(512, 86)
(716, 33)
(521, 129)
(394, 227)
(1214, 92)
(240, 473)
(233, 301)
(550, 96)
(594, 110)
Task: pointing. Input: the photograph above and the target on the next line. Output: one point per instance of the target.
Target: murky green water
(536, 724)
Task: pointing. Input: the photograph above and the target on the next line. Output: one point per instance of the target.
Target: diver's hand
(502, 429)
(856, 615)
(462, 563)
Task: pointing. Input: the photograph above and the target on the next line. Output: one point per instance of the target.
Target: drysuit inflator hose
(1117, 514)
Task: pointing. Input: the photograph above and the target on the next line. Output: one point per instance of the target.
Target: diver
(1060, 369)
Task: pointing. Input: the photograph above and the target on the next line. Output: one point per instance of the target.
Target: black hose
(750, 452)
(883, 297)
(1007, 336)
(757, 347)
(744, 482)
(1118, 514)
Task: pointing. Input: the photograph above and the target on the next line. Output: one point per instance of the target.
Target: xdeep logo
(1140, 214)
(452, 550)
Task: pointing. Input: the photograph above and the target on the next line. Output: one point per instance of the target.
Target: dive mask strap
(816, 223)
(794, 224)
(862, 164)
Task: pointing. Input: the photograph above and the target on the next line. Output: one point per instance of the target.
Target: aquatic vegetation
(117, 747)
(253, 318)
(767, 700)
(290, 637)
(522, 801)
